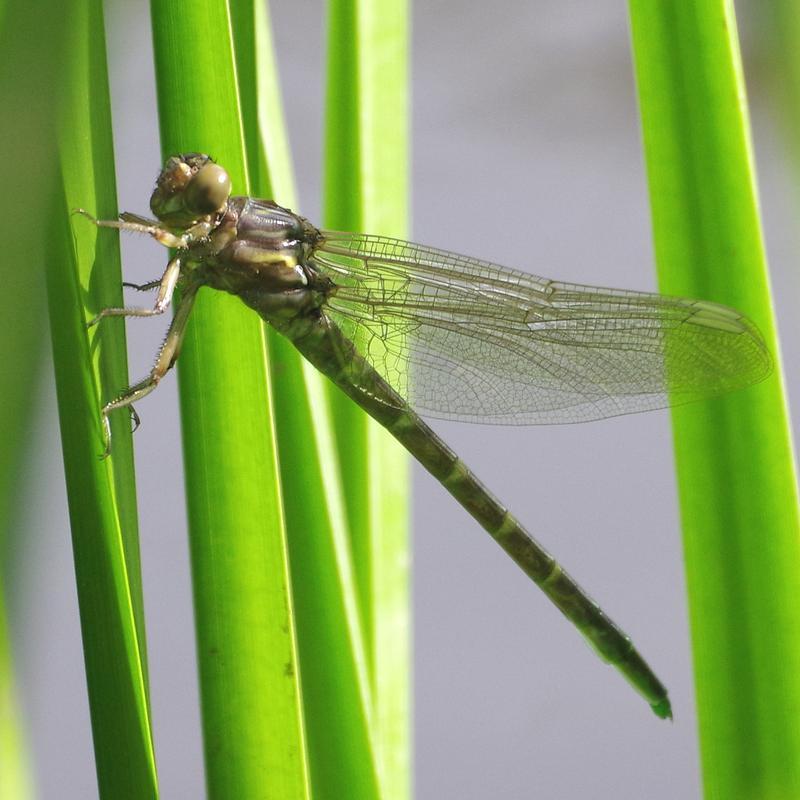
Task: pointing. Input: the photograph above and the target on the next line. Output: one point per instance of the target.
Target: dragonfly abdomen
(608, 640)
(322, 343)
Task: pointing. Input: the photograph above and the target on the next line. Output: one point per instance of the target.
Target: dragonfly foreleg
(199, 230)
(167, 287)
(167, 356)
(126, 223)
(127, 216)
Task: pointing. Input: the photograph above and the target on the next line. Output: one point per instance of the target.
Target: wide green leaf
(336, 696)
(83, 276)
(366, 188)
(252, 721)
(734, 457)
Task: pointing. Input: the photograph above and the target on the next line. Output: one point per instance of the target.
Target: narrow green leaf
(336, 693)
(56, 58)
(366, 187)
(383, 87)
(342, 209)
(253, 732)
(734, 457)
(269, 158)
(336, 696)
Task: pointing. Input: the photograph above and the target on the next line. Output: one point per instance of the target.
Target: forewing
(471, 340)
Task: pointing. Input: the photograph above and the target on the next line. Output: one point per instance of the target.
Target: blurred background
(526, 151)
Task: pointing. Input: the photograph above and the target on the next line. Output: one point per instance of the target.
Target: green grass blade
(252, 722)
(366, 188)
(734, 457)
(82, 274)
(335, 681)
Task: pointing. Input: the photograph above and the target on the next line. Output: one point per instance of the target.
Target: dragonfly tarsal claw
(107, 409)
(106, 435)
(83, 213)
(94, 320)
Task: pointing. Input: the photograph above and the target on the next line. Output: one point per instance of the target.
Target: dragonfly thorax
(259, 251)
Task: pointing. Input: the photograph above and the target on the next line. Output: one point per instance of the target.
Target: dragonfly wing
(470, 340)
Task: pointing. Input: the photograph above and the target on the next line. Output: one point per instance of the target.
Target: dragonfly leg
(167, 356)
(107, 430)
(199, 230)
(134, 224)
(127, 216)
(166, 288)
(143, 287)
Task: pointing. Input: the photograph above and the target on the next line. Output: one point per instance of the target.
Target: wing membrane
(470, 340)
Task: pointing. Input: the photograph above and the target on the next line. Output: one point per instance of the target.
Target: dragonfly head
(190, 188)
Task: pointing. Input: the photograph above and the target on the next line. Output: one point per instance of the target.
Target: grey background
(526, 151)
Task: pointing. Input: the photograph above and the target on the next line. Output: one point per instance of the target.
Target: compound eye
(208, 190)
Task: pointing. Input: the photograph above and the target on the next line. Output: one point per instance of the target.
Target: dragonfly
(404, 329)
